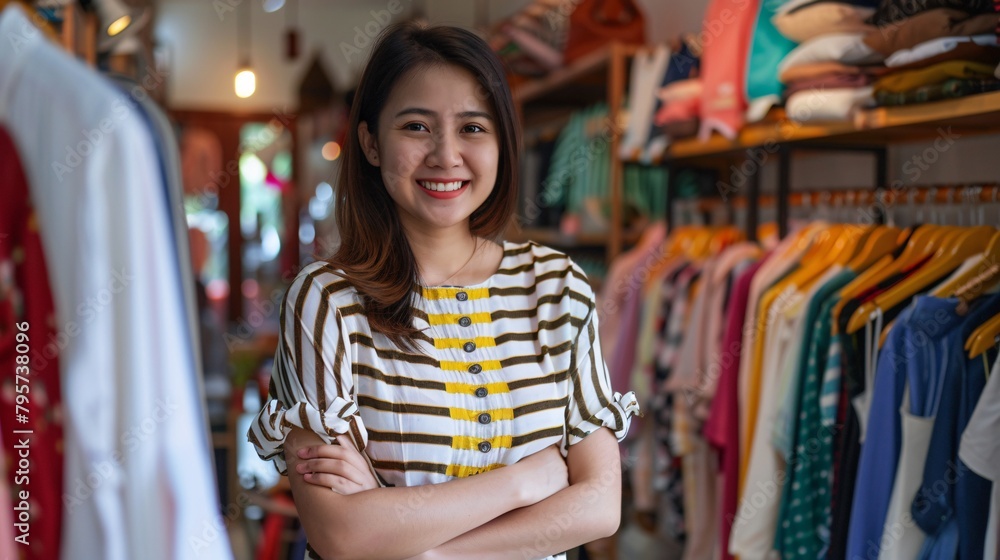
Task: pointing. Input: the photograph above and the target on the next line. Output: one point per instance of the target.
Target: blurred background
(237, 111)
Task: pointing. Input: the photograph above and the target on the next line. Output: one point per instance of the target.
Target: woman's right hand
(542, 474)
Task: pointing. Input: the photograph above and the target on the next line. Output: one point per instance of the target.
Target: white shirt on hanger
(980, 449)
(139, 482)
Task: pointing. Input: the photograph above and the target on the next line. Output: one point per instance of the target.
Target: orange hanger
(960, 245)
(984, 337)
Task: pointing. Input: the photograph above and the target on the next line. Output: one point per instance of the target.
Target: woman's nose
(444, 152)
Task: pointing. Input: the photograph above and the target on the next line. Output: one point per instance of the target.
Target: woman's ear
(368, 144)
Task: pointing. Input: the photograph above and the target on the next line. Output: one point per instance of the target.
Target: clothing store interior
(788, 211)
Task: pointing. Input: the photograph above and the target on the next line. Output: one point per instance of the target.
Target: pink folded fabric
(727, 33)
(681, 89)
(683, 110)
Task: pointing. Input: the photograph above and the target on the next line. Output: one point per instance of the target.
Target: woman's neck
(454, 257)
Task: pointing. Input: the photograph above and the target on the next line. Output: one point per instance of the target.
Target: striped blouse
(506, 368)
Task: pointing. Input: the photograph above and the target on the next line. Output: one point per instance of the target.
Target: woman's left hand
(341, 468)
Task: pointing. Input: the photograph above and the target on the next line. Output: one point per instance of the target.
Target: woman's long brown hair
(374, 253)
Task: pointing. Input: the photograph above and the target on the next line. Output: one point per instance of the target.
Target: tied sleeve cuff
(617, 416)
(273, 423)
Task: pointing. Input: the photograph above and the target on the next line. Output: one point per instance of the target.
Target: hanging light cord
(243, 34)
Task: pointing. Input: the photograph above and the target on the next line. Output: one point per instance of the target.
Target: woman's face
(437, 147)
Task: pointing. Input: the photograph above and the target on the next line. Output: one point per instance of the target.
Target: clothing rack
(879, 201)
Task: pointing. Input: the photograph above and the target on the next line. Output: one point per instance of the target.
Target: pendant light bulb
(245, 83)
(114, 16)
(119, 25)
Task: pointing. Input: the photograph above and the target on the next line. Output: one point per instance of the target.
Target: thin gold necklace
(475, 248)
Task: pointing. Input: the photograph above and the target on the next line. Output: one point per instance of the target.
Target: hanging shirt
(980, 448)
(760, 500)
(670, 479)
(803, 528)
(699, 460)
(134, 421)
(26, 299)
(954, 515)
(722, 426)
(783, 259)
(880, 452)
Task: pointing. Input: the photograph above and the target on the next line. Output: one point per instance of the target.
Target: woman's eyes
(420, 127)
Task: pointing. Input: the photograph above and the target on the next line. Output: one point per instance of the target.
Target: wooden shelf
(974, 114)
(569, 83)
(599, 76)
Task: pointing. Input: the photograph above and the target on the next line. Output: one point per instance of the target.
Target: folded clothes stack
(829, 74)
(938, 53)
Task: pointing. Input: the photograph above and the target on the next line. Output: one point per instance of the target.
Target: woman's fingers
(352, 454)
(343, 460)
(343, 450)
(336, 483)
(328, 466)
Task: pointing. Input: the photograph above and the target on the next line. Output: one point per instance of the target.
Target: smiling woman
(427, 350)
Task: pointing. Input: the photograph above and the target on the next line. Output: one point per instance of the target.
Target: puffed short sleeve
(312, 385)
(593, 403)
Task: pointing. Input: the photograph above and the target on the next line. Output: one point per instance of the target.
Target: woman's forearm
(589, 509)
(397, 522)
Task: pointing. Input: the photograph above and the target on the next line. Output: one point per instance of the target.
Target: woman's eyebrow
(428, 113)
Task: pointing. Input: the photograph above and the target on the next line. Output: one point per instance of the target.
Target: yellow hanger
(984, 337)
(677, 240)
(767, 232)
(916, 247)
(946, 290)
(966, 243)
(864, 279)
(882, 241)
(828, 246)
(990, 256)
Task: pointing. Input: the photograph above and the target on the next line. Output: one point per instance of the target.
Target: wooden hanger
(990, 256)
(958, 247)
(882, 241)
(977, 286)
(885, 267)
(984, 337)
(829, 245)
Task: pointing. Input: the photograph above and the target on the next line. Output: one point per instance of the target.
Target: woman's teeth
(442, 187)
